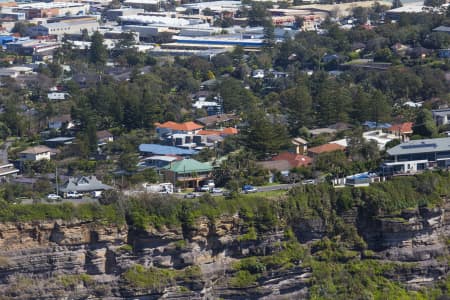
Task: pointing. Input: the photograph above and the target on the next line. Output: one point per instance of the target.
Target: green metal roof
(188, 166)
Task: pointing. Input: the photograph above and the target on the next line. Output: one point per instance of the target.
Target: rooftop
(186, 126)
(326, 148)
(36, 150)
(421, 146)
(295, 160)
(402, 127)
(165, 150)
(188, 166)
(442, 29)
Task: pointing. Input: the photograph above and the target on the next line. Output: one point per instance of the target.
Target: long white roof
(155, 20)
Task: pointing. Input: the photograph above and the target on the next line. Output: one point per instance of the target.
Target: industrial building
(148, 5)
(115, 14)
(52, 9)
(31, 47)
(61, 28)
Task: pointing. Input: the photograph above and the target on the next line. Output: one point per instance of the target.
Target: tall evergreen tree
(98, 53)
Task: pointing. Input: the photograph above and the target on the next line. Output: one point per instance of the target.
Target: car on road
(191, 195)
(217, 191)
(53, 197)
(309, 181)
(74, 195)
(247, 189)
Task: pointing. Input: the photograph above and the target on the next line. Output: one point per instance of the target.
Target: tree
(379, 107)
(269, 35)
(263, 137)
(21, 28)
(397, 4)
(434, 3)
(97, 53)
(424, 124)
(258, 15)
(298, 104)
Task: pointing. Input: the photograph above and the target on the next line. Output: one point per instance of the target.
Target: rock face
(46, 252)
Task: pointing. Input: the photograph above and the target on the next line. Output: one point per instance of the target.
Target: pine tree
(98, 53)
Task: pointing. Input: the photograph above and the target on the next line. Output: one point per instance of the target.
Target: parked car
(96, 194)
(309, 181)
(205, 188)
(217, 191)
(191, 195)
(74, 195)
(53, 197)
(249, 189)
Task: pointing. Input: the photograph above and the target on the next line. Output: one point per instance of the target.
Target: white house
(60, 121)
(35, 153)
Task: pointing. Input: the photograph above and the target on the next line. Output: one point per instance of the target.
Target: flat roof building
(418, 155)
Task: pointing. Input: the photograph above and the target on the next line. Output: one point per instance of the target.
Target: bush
(243, 279)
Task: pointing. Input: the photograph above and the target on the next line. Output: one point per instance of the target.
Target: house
(441, 116)
(83, 184)
(326, 148)
(59, 141)
(444, 29)
(55, 96)
(358, 47)
(319, 131)
(403, 130)
(157, 161)
(301, 145)
(35, 153)
(7, 171)
(104, 137)
(294, 160)
(187, 172)
(156, 149)
(218, 120)
(60, 122)
(274, 166)
(444, 53)
(223, 132)
(417, 155)
(170, 127)
(258, 73)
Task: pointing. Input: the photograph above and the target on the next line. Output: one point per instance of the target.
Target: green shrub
(243, 279)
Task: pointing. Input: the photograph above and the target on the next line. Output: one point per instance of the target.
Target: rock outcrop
(47, 259)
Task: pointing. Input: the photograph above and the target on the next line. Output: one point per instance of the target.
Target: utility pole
(56, 179)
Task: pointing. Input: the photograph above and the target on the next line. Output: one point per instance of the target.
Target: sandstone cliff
(77, 260)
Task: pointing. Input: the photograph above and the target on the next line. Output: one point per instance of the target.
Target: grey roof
(164, 150)
(83, 184)
(442, 29)
(60, 139)
(441, 112)
(421, 146)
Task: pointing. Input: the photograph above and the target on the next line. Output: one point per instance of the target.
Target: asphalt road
(4, 152)
(277, 187)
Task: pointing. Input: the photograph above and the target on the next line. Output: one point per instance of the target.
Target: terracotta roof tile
(326, 148)
(295, 160)
(402, 127)
(186, 126)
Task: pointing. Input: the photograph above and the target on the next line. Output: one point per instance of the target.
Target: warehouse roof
(421, 146)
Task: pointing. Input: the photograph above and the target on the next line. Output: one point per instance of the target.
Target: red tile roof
(230, 131)
(186, 126)
(209, 132)
(225, 131)
(402, 128)
(326, 148)
(295, 160)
